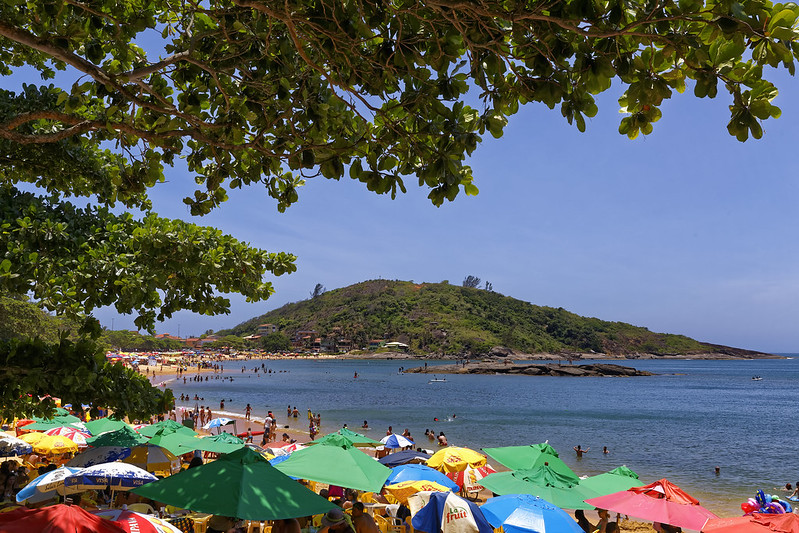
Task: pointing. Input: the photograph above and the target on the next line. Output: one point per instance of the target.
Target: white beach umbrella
(114, 476)
(396, 441)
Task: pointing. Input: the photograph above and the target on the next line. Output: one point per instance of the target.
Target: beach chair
(367, 497)
(254, 525)
(143, 508)
(201, 524)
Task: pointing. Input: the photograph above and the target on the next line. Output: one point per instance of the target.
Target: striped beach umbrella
(75, 435)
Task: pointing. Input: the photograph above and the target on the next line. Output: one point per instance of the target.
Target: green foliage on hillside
(21, 319)
(440, 318)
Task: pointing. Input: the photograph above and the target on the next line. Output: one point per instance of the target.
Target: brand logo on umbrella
(454, 513)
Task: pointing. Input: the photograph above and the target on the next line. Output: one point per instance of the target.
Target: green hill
(439, 318)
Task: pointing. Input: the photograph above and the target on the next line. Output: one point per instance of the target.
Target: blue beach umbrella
(10, 446)
(446, 512)
(114, 476)
(412, 472)
(404, 457)
(523, 513)
(99, 455)
(396, 441)
(44, 487)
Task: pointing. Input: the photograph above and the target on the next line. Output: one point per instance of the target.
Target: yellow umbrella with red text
(405, 489)
(455, 459)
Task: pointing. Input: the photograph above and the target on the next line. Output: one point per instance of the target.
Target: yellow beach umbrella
(405, 489)
(455, 459)
(55, 445)
(33, 437)
(154, 459)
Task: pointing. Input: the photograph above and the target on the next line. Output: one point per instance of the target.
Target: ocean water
(680, 424)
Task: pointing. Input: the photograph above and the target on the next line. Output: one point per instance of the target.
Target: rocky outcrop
(533, 369)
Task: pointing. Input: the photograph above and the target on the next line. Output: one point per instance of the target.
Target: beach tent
(523, 513)
(56, 519)
(241, 484)
(661, 501)
(618, 479)
(336, 462)
(520, 457)
(556, 487)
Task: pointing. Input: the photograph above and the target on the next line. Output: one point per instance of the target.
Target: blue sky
(683, 231)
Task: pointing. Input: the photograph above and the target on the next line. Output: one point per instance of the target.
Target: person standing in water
(580, 451)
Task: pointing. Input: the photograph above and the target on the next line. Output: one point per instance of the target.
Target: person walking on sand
(580, 451)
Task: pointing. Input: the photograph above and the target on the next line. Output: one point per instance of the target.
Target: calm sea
(679, 424)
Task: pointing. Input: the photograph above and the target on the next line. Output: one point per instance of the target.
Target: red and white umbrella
(137, 522)
(468, 479)
(75, 435)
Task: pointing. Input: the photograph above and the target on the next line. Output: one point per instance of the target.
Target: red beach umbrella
(661, 501)
(56, 519)
(469, 479)
(754, 523)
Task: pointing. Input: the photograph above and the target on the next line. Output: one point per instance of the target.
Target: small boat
(436, 380)
(757, 378)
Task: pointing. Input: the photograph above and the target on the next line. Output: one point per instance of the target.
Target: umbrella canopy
(336, 464)
(176, 442)
(75, 435)
(244, 485)
(104, 425)
(661, 501)
(355, 438)
(54, 444)
(218, 422)
(523, 513)
(46, 485)
(405, 489)
(137, 522)
(754, 523)
(116, 476)
(124, 437)
(152, 429)
(618, 479)
(99, 455)
(56, 519)
(396, 441)
(468, 479)
(520, 457)
(154, 459)
(32, 438)
(454, 458)
(545, 482)
(10, 446)
(415, 472)
(404, 457)
(222, 443)
(447, 512)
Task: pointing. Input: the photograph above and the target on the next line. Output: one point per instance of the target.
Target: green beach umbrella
(356, 439)
(175, 441)
(104, 425)
(336, 462)
(126, 437)
(43, 424)
(241, 484)
(61, 411)
(562, 490)
(152, 429)
(520, 457)
(222, 443)
(616, 480)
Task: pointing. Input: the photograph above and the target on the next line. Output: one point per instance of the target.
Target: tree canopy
(256, 92)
